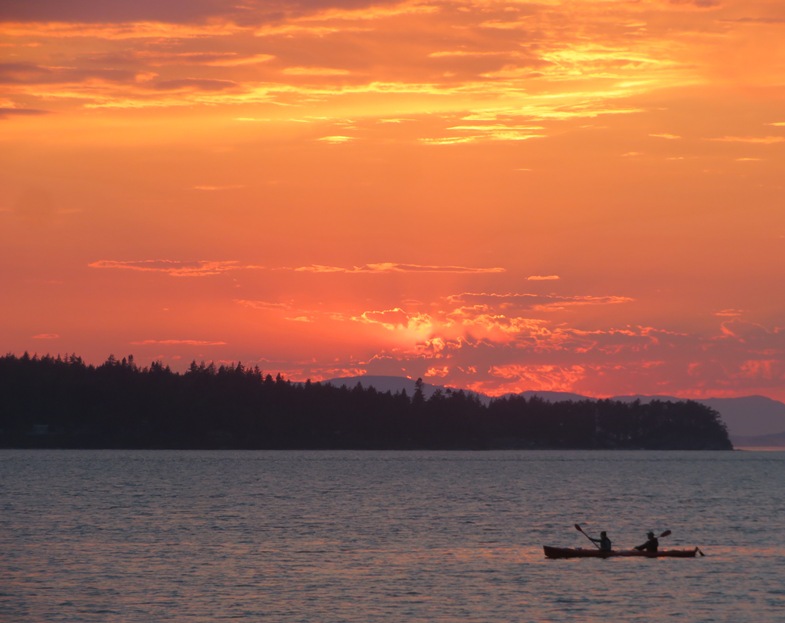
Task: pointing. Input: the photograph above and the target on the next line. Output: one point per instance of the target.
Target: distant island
(61, 402)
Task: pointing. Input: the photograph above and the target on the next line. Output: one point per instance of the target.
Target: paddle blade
(666, 533)
(578, 528)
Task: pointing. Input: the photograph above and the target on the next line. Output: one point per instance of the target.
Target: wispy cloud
(751, 140)
(175, 268)
(754, 334)
(13, 111)
(210, 188)
(265, 305)
(316, 71)
(393, 267)
(729, 313)
(193, 84)
(336, 139)
(118, 31)
(178, 343)
(205, 268)
(163, 57)
(537, 301)
(498, 132)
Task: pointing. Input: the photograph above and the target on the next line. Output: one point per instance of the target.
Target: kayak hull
(570, 552)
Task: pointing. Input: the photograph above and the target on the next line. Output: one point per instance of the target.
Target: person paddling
(650, 545)
(604, 541)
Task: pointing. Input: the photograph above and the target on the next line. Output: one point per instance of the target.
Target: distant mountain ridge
(753, 421)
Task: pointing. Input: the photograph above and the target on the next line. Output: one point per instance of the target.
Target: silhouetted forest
(60, 402)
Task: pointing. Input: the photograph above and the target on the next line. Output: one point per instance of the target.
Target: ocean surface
(328, 537)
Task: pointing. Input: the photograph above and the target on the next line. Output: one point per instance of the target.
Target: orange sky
(499, 195)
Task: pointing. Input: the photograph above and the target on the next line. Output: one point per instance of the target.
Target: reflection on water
(386, 536)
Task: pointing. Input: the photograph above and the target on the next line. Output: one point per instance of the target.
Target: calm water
(323, 537)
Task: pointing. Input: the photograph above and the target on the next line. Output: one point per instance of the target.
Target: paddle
(579, 529)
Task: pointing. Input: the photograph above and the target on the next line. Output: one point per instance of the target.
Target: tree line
(63, 402)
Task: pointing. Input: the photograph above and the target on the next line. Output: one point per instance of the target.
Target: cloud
(158, 58)
(498, 132)
(543, 278)
(175, 268)
(397, 318)
(316, 71)
(536, 301)
(504, 342)
(336, 139)
(541, 377)
(12, 111)
(520, 57)
(700, 4)
(122, 11)
(393, 267)
(264, 305)
(751, 140)
(752, 334)
(198, 84)
(209, 188)
(16, 73)
(539, 357)
(110, 31)
(356, 17)
(203, 268)
(439, 372)
(465, 54)
(729, 313)
(31, 74)
(47, 336)
(178, 343)
(304, 319)
(763, 21)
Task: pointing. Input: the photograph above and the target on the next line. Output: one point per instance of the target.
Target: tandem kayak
(570, 552)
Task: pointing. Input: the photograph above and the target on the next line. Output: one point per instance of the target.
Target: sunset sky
(506, 195)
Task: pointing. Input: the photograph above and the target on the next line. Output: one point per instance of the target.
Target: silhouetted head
(603, 533)
(650, 535)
